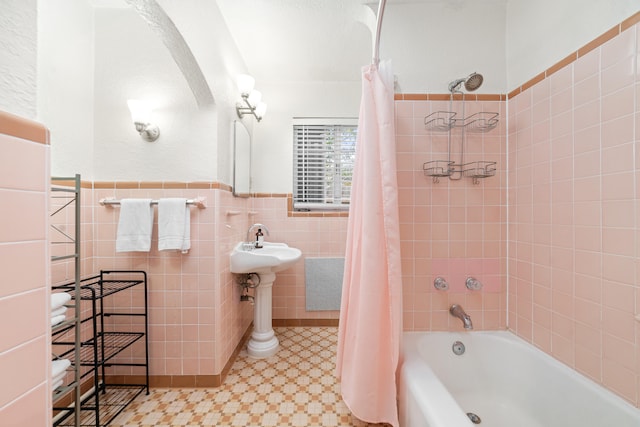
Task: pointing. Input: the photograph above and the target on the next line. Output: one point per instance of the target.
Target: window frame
(303, 167)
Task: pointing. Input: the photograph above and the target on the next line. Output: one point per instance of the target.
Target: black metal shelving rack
(100, 350)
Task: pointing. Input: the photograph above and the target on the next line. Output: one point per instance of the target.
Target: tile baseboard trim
(236, 351)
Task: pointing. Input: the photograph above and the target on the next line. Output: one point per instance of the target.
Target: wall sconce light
(251, 99)
(141, 116)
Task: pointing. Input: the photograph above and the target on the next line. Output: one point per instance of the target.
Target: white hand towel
(174, 225)
(58, 367)
(134, 226)
(60, 311)
(59, 299)
(57, 384)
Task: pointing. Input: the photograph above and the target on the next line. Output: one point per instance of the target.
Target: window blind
(323, 161)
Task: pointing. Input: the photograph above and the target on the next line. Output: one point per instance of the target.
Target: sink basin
(272, 257)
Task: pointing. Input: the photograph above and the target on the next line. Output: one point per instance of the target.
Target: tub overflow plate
(458, 348)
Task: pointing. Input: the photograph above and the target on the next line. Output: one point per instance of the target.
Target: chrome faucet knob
(441, 284)
(473, 284)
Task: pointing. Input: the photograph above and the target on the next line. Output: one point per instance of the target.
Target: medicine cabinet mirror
(241, 160)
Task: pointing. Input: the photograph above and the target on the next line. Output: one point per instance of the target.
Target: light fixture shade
(140, 110)
(255, 97)
(141, 115)
(245, 83)
(261, 109)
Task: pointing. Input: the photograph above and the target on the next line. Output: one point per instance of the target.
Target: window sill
(313, 214)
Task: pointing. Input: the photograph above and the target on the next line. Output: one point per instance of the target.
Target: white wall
(272, 155)
(542, 32)
(93, 59)
(132, 62)
(205, 31)
(432, 43)
(18, 48)
(65, 83)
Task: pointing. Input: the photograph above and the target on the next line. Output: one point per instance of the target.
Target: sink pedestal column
(263, 342)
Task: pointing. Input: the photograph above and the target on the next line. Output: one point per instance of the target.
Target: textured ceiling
(301, 40)
(290, 41)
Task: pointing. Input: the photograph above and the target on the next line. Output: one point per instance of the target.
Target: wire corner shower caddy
(447, 121)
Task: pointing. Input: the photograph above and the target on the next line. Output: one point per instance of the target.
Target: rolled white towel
(60, 311)
(59, 299)
(56, 384)
(58, 366)
(59, 377)
(57, 319)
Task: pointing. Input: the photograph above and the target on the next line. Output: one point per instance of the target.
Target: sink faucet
(250, 240)
(457, 311)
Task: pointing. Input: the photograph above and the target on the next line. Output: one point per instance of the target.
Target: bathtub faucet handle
(456, 310)
(473, 284)
(441, 284)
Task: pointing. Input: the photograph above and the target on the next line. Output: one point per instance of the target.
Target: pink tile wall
(233, 217)
(453, 228)
(574, 233)
(195, 315)
(24, 339)
(456, 226)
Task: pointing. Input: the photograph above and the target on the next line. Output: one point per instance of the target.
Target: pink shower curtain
(371, 309)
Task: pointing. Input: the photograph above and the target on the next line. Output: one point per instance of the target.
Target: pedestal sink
(266, 262)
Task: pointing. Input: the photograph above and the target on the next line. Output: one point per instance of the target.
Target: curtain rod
(376, 52)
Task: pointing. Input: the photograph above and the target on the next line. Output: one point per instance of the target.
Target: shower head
(472, 82)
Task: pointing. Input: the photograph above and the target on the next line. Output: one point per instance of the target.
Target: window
(323, 157)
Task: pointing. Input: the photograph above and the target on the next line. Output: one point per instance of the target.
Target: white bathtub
(503, 380)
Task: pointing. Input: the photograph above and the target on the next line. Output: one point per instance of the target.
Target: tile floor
(296, 387)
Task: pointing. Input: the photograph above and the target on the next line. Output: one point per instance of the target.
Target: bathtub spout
(457, 311)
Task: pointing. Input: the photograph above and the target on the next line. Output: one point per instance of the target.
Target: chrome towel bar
(199, 202)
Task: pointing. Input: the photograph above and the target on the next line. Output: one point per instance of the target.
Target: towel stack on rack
(58, 310)
(58, 371)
